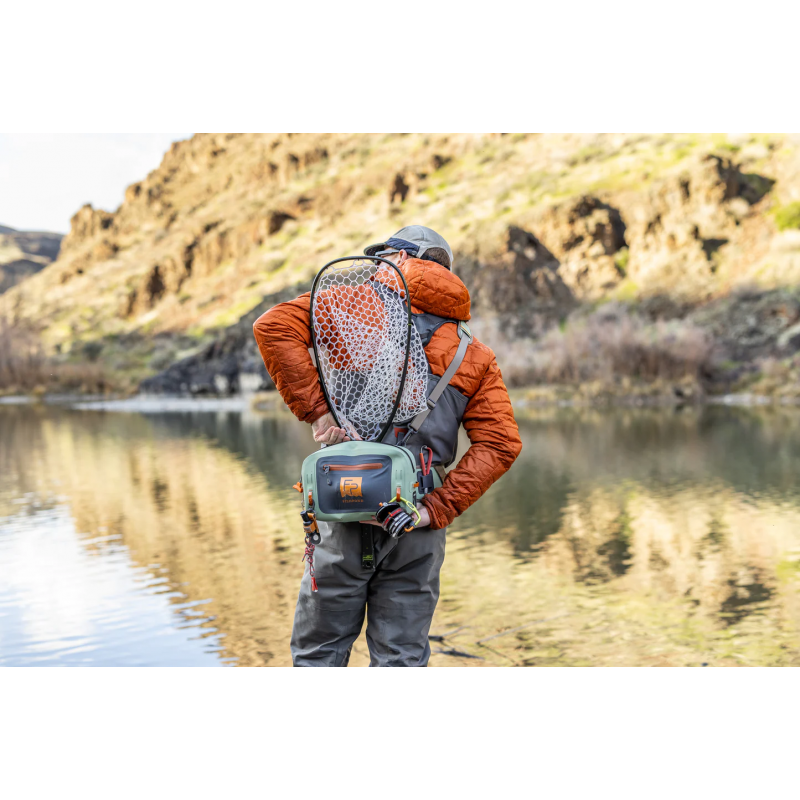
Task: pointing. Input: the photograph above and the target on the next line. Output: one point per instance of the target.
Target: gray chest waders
(371, 479)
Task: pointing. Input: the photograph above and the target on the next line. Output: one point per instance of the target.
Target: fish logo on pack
(350, 487)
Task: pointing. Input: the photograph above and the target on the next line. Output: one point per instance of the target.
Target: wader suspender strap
(367, 547)
(465, 337)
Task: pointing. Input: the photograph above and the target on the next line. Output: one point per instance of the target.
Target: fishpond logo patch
(350, 486)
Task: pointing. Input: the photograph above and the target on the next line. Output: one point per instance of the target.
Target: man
(400, 591)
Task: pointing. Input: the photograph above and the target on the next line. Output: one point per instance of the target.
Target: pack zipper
(349, 467)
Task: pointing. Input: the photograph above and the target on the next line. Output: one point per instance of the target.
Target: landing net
(360, 321)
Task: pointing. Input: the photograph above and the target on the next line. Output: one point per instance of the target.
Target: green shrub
(621, 260)
(787, 216)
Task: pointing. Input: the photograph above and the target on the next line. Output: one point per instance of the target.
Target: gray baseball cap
(415, 240)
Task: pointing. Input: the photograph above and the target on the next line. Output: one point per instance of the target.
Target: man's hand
(424, 518)
(326, 431)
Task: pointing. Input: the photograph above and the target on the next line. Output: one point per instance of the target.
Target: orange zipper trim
(351, 467)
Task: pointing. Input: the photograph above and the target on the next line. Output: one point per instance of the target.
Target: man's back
(283, 336)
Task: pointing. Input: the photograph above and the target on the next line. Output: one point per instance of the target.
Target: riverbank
(141, 404)
(653, 395)
(524, 399)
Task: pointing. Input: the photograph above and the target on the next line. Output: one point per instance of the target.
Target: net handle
(408, 337)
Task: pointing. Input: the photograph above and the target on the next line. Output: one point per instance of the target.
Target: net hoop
(409, 326)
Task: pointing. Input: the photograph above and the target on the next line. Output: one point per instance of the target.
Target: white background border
(435, 66)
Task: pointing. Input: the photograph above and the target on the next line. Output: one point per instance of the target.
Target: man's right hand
(326, 431)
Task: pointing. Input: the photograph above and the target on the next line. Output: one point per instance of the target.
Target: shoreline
(746, 399)
(270, 402)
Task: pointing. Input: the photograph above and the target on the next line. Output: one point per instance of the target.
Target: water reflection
(620, 537)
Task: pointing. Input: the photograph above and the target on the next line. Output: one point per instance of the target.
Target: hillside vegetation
(608, 260)
(24, 253)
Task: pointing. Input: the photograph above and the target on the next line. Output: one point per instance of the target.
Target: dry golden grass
(22, 358)
(603, 347)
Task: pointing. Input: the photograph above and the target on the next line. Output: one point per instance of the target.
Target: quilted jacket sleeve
(495, 444)
(283, 336)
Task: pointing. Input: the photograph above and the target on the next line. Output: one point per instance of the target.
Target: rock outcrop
(677, 232)
(747, 325)
(521, 288)
(586, 235)
(86, 224)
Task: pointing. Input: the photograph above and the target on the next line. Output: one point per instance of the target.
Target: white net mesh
(360, 324)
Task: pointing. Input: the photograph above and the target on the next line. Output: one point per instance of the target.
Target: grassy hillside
(548, 230)
(24, 253)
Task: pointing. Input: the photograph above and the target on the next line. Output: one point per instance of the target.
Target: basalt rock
(85, 224)
(586, 235)
(753, 324)
(399, 189)
(521, 287)
(676, 235)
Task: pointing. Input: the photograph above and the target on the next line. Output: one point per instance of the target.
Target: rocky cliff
(544, 227)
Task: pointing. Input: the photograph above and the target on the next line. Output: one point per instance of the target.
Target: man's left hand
(424, 517)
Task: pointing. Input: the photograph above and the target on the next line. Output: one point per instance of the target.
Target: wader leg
(402, 597)
(327, 622)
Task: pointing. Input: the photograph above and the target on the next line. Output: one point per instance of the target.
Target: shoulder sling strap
(465, 339)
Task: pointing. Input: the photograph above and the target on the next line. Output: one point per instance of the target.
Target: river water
(620, 537)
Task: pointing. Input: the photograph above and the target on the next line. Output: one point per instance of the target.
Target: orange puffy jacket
(283, 335)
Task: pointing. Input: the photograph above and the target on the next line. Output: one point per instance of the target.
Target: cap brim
(373, 248)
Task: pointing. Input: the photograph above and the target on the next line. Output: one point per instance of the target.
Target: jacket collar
(434, 289)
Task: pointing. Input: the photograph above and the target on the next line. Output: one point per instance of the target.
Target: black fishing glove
(395, 519)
